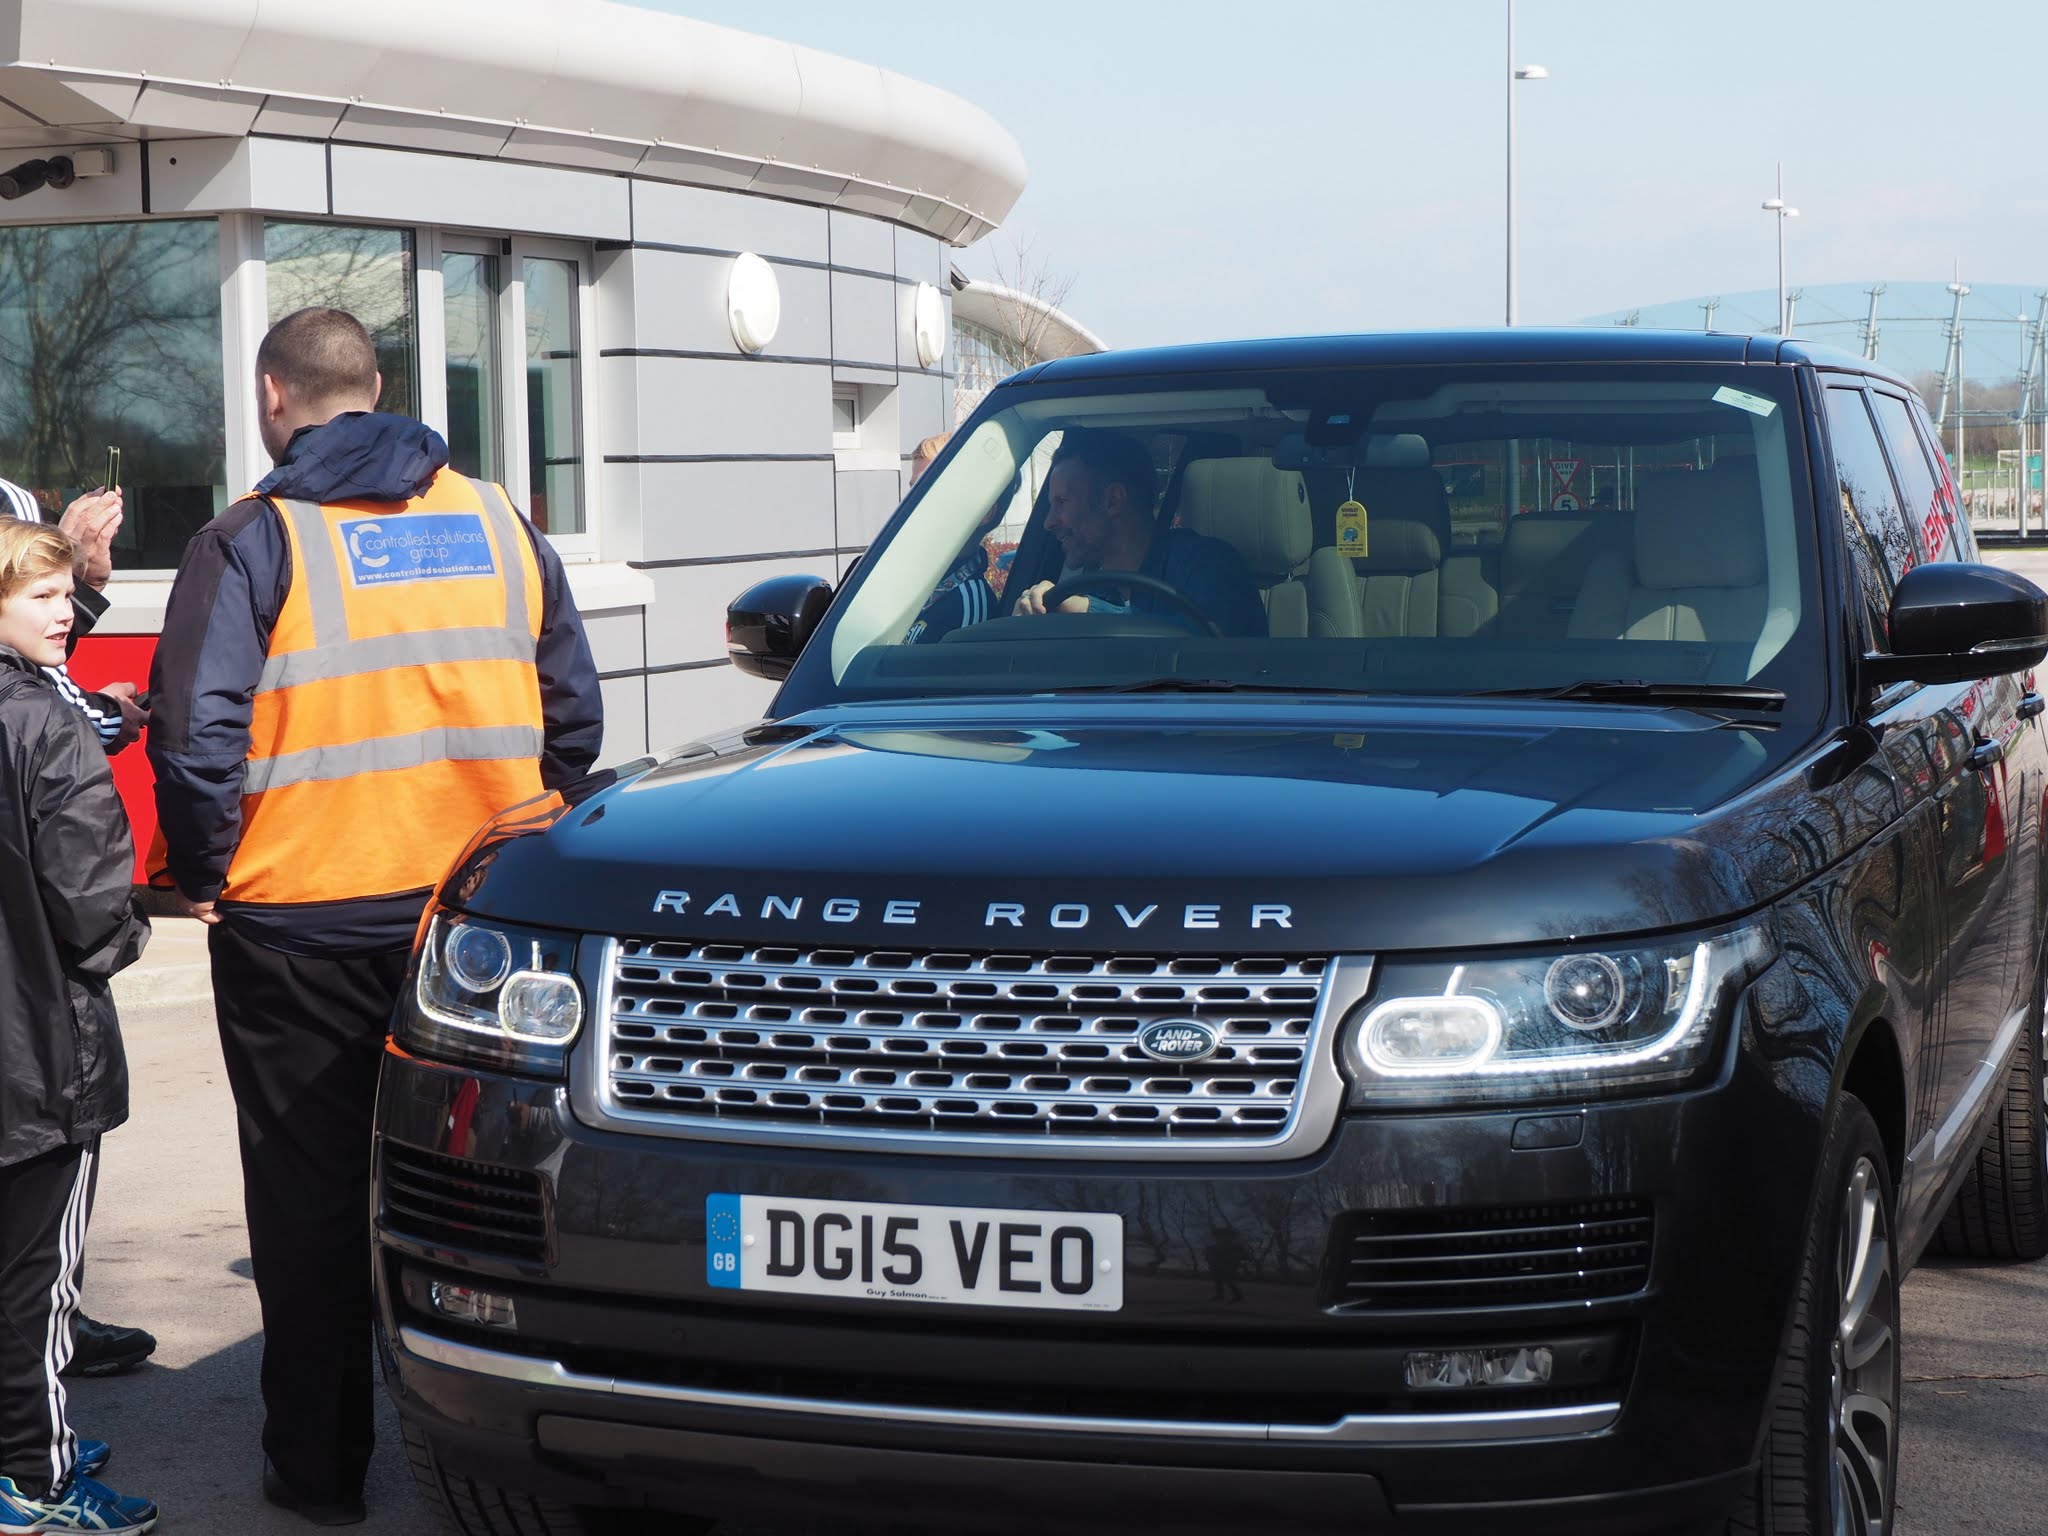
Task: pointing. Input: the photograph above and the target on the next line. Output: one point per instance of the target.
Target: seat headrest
(1699, 530)
(1260, 511)
(1411, 493)
(1535, 541)
(1397, 543)
(1407, 519)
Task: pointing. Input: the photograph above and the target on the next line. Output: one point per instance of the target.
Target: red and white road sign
(1563, 498)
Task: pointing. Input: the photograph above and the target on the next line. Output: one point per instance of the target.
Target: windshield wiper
(1623, 690)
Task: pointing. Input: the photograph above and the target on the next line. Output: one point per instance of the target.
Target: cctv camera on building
(56, 172)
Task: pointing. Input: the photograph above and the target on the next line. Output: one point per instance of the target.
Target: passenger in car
(1099, 505)
(964, 595)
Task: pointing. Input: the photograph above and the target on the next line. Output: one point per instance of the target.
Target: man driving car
(1099, 505)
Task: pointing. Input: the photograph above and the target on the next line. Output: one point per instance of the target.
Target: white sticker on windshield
(1756, 405)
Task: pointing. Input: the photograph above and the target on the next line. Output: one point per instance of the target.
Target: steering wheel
(1091, 581)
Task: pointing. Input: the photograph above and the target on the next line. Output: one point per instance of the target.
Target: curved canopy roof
(580, 83)
(1024, 319)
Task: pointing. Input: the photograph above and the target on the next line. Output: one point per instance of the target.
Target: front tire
(2001, 1210)
(1830, 1454)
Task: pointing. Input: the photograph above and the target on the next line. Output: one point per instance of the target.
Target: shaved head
(321, 355)
(314, 365)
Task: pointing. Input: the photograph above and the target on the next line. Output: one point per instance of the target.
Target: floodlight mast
(1776, 205)
(1870, 325)
(1952, 369)
(1525, 72)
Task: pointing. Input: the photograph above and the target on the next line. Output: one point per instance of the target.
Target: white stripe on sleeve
(21, 503)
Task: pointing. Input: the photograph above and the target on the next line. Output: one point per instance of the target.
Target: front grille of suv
(457, 1202)
(1509, 1256)
(961, 1045)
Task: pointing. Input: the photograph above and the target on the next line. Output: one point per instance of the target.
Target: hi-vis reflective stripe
(381, 754)
(323, 575)
(352, 658)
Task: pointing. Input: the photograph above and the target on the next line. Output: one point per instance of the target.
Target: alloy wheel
(1863, 1390)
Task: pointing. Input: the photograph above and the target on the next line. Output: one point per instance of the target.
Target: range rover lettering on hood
(906, 912)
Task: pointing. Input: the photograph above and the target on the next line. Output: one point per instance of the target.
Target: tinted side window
(1871, 523)
(1930, 443)
(1926, 510)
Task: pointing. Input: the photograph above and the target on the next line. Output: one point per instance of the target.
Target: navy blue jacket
(1207, 572)
(231, 585)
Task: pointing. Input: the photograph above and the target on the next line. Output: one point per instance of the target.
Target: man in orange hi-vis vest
(361, 661)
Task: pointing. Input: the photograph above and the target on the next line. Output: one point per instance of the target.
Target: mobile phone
(113, 480)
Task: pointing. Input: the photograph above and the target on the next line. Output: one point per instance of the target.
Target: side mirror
(1955, 622)
(767, 626)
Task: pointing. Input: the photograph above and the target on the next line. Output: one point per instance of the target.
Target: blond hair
(931, 447)
(29, 552)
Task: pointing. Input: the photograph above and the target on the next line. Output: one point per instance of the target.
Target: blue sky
(1204, 169)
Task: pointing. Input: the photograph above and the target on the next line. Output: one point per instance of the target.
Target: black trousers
(302, 1038)
(44, 1205)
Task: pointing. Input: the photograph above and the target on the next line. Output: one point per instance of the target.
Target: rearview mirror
(1387, 450)
(1955, 622)
(768, 625)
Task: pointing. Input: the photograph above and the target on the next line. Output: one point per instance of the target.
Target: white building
(683, 290)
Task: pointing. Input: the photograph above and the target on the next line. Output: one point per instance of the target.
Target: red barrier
(103, 659)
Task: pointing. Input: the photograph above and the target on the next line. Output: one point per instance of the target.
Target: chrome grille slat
(993, 1045)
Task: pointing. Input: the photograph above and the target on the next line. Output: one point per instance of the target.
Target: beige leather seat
(1544, 558)
(1262, 513)
(1695, 571)
(1399, 587)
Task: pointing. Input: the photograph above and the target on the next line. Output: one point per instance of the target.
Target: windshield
(1627, 533)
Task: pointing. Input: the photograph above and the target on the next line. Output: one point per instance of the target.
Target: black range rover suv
(1473, 1047)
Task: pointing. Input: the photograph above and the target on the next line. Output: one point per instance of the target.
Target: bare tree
(1032, 296)
(1016, 321)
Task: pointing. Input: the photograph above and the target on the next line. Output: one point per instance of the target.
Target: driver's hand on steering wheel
(1032, 601)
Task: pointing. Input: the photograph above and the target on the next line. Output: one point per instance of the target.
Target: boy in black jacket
(68, 922)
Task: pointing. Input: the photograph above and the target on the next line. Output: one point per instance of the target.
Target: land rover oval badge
(1178, 1041)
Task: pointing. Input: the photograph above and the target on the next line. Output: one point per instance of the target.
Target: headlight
(1585, 1022)
(488, 994)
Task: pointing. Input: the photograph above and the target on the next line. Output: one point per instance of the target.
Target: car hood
(1406, 825)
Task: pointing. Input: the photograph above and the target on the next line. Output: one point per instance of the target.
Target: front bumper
(1266, 1398)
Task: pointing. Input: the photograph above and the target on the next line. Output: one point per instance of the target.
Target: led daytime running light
(1691, 1016)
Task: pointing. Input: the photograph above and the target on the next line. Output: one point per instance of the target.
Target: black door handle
(2031, 705)
(1987, 754)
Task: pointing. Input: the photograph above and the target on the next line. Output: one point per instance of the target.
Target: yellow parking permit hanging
(1351, 529)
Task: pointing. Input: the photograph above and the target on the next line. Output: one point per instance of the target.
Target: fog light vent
(1432, 1370)
(466, 1304)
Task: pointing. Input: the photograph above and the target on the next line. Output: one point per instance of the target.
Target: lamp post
(1776, 205)
(1525, 72)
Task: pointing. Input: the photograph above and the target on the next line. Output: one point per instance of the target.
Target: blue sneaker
(92, 1455)
(84, 1506)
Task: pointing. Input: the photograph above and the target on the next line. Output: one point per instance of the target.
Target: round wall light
(753, 302)
(928, 325)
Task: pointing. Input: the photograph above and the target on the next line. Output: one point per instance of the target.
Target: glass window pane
(1879, 546)
(554, 426)
(110, 337)
(1926, 517)
(367, 272)
(469, 287)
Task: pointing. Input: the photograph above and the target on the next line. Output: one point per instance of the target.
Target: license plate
(1061, 1260)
